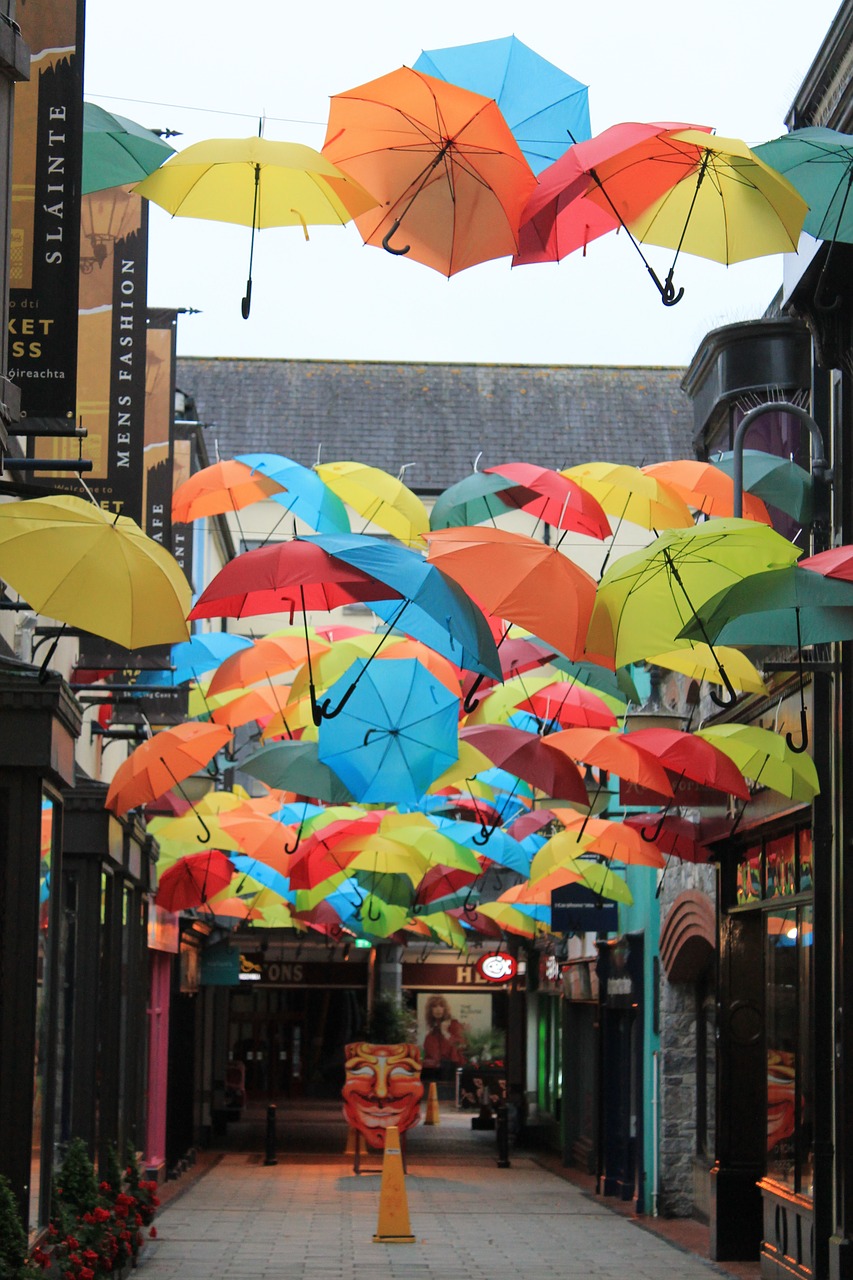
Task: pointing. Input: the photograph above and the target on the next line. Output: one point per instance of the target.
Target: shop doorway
(270, 1048)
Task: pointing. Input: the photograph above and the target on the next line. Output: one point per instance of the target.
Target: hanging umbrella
(706, 488)
(561, 215)
(257, 184)
(193, 658)
(503, 700)
(527, 756)
(163, 761)
(647, 597)
(295, 766)
(260, 836)
(766, 758)
(675, 836)
(686, 756)
(442, 163)
(519, 579)
(193, 880)
(721, 203)
(567, 703)
(262, 659)
(220, 488)
(790, 608)
(511, 920)
(632, 494)
(472, 500)
(557, 500)
(699, 663)
(595, 875)
(379, 497)
(72, 561)
(304, 494)
(837, 562)
(240, 706)
(117, 151)
(598, 836)
(614, 753)
(396, 733)
(545, 108)
(440, 926)
(818, 162)
(778, 481)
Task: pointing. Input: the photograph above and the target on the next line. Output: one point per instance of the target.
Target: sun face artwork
(382, 1087)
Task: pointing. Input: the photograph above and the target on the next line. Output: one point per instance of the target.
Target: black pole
(270, 1157)
(502, 1133)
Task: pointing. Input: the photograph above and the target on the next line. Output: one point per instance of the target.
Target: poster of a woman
(445, 1036)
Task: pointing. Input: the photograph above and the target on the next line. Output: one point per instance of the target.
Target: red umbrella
(527, 824)
(559, 217)
(571, 704)
(317, 858)
(684, 754)
(558, 500)
(193, 880)
(527, 756)
(676, 837)
(486, 814)
(835, 563)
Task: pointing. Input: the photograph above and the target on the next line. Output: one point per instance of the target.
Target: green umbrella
(471, 501)
(765, 757)
(784, 607)
(778, 481)
(819, 164)
(117, 151)
(294, 766)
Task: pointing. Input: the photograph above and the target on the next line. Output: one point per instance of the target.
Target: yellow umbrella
(697, 663)
(500, 703)
(255, 183)
(511, 919)
(379, 497)
(562, 850)
(442, 927)
(470, 762)
(72, 561)
(626, 492)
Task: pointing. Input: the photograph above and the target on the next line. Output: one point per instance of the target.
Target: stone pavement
(309, 1217)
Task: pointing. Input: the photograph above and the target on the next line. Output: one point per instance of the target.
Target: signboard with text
(578, 909)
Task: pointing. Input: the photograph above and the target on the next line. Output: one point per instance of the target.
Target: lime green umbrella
(766, 758)
(646, 598)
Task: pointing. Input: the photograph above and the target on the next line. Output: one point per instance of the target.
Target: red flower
(86, 1273)
(153, 1233)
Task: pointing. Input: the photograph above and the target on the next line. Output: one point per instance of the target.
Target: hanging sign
(495, 967)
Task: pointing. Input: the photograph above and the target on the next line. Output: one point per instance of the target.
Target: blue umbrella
(192, 658)
(397, 733)
(501, 848)
(546, 109)
(306, 495)
(263, 873)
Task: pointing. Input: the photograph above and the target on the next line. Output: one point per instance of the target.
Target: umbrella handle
(644, 831)
(471, 703)
(322, 709)
(732, 691)
(799, 747)
(246, 302)
(469, 907)
(370, 914)
(668, 296)
(389, 248)
(287, 847)
(483, 835)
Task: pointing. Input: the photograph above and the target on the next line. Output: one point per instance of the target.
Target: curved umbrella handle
(370, 914)
(246, 302)
(205, 839)
(470, 703)
(730, 689)
(668, 296)
(483, 836)
(799, 747)
(469, 907)
(651, 838)
(292, 849)
(389, 248)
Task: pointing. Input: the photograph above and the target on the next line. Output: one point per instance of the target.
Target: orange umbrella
(220, 488)
(699, 484)
(162, 761)
(261, 837)
(441, 161)
(193, 880)
(254, 704)
(265, 658)
(615, 840)
(442, 668)
(521, 580)
(615, 753)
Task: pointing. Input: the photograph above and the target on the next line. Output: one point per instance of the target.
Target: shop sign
(575, 908)
(495, 967)
(220, 966)
(300, 973)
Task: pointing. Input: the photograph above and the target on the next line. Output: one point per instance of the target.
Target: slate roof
(439, 416)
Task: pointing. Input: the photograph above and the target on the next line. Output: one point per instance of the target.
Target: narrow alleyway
(309, 1216)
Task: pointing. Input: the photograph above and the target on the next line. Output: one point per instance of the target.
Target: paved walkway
(309, 1217)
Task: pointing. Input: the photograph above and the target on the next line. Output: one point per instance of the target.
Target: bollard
(502, 1134)
(270, 1157)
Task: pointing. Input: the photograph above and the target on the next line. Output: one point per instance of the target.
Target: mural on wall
(382, 1088)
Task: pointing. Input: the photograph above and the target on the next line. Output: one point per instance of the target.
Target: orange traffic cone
(394, 1226)
(433, 1115)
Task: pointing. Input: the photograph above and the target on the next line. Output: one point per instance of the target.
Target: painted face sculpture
(382, 1087)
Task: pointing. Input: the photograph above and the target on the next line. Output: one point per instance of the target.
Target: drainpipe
(655, 1131)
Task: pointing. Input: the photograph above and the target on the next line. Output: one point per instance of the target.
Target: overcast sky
(210, 69)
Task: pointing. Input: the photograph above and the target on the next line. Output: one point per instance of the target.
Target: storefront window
(749, 877)
(788, 938)
(780, 858)
(805, 861)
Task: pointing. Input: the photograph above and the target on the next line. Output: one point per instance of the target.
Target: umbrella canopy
(255, 183)
(556, 500)
(304, 493)
(700, 663)
(527, 756)
(545, 108)
(631, 494)
(157, 764)
(117, 151)
(779, 481)
(193, 880)
(379, 497)
(647, 597)
(837, 562)
(766, 758)
(519, 579)
(472, 500)
(613, 840)
(615, 753)
(706, 488)
(819, 164)
(561, 216)
(220, 488)
(295, 766)
(786, 607)
(396, 733)
(568, 704)
(442, 162)
(74, 562)
(263, 659)
(675, 836)
(687, 756)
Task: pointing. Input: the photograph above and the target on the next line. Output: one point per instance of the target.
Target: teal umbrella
(776, 480)
(295, 766)
(819, 164)
(471, 501)
(117, 151)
